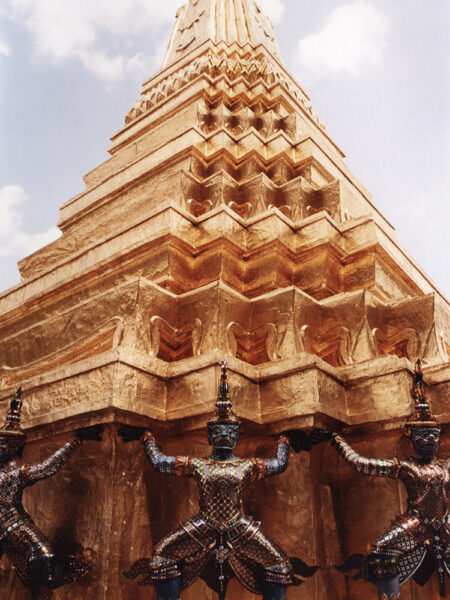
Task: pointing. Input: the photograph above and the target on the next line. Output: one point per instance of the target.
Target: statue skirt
(409, 541)
(199, 546)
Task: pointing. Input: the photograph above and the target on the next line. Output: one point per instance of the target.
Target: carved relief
(255, 347)
(264, 116)
(365, 346)
(264, 23)
(174, 343)
(204, 195)
(359, 328)
(243, 209)
(444, 346)
(410, 328)
(250, 186)
(220, 21)
(187, 30)
(334, 346)
(435, 347)
(403, 343)
(107, 336)
(199, 207)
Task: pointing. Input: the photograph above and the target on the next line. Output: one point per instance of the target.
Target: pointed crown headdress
(11, 426)
(224, 412)
(422, 415)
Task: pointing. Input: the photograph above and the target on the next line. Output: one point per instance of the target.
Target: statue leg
(45, 571)
(385, 570)
(394, 556)
(384, 566)
(169, 590)
(273, 591)
(388, 589)
(268, 565)
(165, 569)
(34, 559)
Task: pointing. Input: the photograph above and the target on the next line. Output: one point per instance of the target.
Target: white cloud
(88, 30)
(353, 37)
(274, 9)
(4, 48)
(67, 29)
(15, 243)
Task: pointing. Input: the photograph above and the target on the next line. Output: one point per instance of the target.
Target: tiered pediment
(253, 253)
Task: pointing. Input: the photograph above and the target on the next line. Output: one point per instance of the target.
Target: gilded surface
(225, 224)
(240, 21)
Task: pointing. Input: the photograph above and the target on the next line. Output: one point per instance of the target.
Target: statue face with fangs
(10, 448)
(223, 436)
(426, 442)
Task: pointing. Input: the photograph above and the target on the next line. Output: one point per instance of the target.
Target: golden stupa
(225, 224)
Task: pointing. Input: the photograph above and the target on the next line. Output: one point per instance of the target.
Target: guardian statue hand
(129, 433)
(302, 441)
(92, 433)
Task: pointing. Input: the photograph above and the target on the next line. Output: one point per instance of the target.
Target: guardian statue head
(223, 428)
(423, 428)
(12, 438)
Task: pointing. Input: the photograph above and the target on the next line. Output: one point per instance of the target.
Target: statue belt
(221, 526)
(234, 528)
(245, 525)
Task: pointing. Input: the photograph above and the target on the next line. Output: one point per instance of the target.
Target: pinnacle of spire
(228, 21)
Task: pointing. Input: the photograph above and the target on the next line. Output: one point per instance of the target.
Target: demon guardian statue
(418, 542)
(25, 545)
(220, 535)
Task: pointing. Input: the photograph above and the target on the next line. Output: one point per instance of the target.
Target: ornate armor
(424, 527)
(417, 542)
(26, 546)
(23, 542)
(221, 532)
(220, 518)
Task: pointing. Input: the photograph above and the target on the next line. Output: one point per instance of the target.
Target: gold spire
(11, 426)
(422, 415)
(224, 412)
(228, 21)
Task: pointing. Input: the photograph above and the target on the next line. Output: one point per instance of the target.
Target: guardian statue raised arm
(26, 546)
(220, 532)
(418, 542)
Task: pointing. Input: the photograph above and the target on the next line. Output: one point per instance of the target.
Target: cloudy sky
(376, 71)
